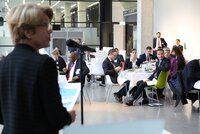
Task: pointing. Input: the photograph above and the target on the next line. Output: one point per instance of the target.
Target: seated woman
(176, 52)
(60, 62)
(133, 61)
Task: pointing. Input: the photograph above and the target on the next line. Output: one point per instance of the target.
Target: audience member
(163, 64)
(190, 75)
(159, 42)
(133, 61)
(30, 102)
(119, 59)
(111, 70)
(176, 52)
(179, 45)
(73, 69)
(147, 56)
(173, 64)
(60, 62)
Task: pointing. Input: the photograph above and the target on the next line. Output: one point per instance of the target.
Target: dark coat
(128, 63)
(190, 74)
(164, 66)
(163, 42)
(85, 70)
(109, 69)
(30, 101)
(143, 57)
(118, 60)
(60, 63)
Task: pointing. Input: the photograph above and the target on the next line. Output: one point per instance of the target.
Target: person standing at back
(159, 42)
(179, 45)
(30, 102)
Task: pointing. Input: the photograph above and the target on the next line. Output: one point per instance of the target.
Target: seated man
(190, 75)
(163, 64)
(73, 70)
(147, 56)
(133, 61)
(111, 70)
(119, 59)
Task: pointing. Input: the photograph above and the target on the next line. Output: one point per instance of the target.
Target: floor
(181, 120)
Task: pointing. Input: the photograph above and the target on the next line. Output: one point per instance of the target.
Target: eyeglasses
(114, 55)
(46, 24)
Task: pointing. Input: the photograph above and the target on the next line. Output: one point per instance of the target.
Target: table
(69, 92)
(133, 75)
(197, 85)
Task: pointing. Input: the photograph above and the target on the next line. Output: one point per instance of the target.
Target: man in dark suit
(119, 59)
(147, 56)
(191, 74)
(73, 70)
(30, 102)
(159, 42)
(133, 61)
(163, 64)
(110, 69)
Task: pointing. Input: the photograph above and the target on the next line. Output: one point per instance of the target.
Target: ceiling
(11, 3)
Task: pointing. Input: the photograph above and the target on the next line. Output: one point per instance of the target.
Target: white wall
(179, 19)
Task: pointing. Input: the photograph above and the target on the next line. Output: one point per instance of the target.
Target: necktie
(68, 74)
(159, 42)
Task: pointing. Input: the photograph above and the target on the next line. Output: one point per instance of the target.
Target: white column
(67, 14)
(144, 25)
(58, 15)
(82, 13)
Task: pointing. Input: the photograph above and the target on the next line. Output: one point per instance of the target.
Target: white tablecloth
(69, 92)
(197, 85)
(133, 76)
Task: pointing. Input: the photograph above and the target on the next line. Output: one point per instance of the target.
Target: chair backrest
(108, 80)
(96, 68)
(123, 53)
(162, 79)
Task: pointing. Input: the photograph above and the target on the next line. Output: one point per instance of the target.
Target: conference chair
(110, 85)
(151, 90)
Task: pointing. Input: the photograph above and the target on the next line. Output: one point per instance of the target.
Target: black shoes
(144, 102)
(129, 103)
(118, 97)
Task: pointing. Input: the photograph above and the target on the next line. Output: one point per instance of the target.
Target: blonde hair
(26, 17)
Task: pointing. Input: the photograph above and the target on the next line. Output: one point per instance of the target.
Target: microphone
(74, 44)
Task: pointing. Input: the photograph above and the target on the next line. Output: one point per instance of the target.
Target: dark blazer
(190, 74)
(128, 63)
(164, 66)
(60, 63)
(109, 69)
(118, 60)
(143, 57)
(30, 101)
(179, 46)
(85, 70)
(163, 42)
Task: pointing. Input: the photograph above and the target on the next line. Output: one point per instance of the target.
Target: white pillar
(67, 14)
(82, 13)
(144, 24)
(58, 15)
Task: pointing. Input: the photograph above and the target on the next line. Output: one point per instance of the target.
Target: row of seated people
(172, 61)
(163, 64)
